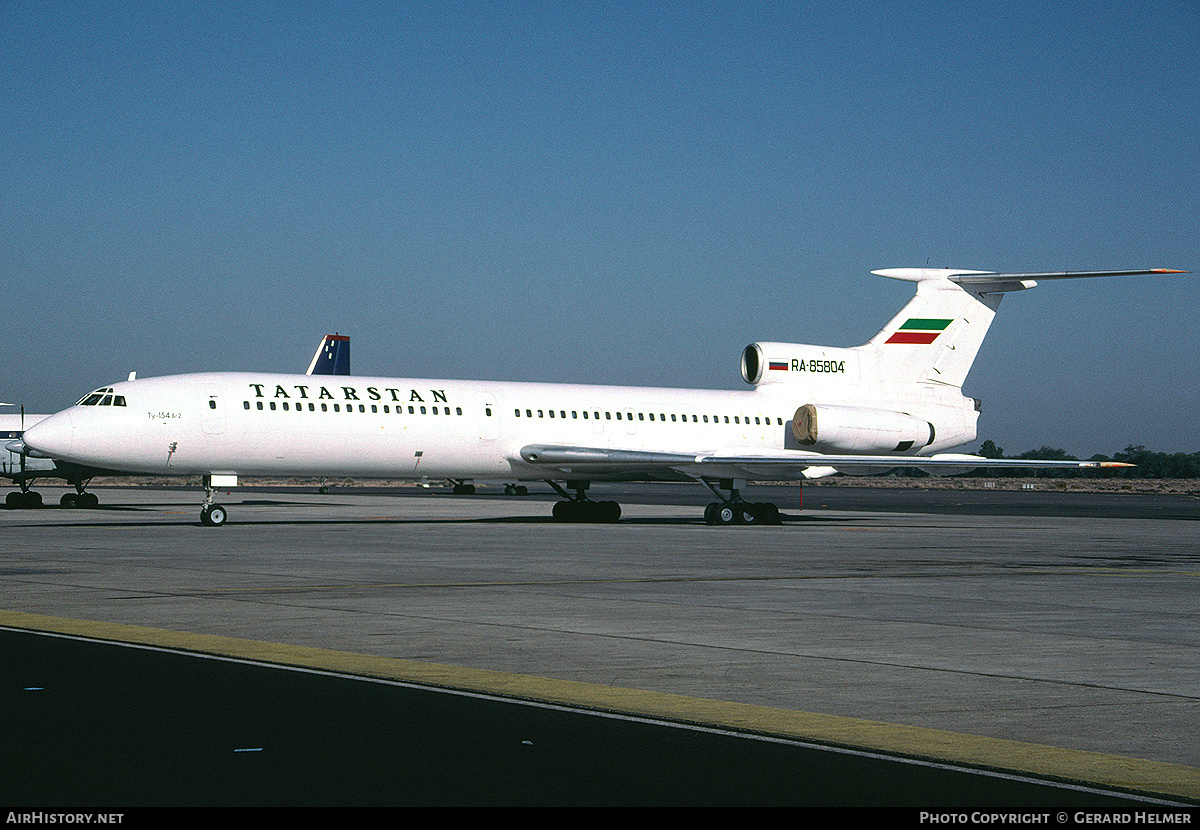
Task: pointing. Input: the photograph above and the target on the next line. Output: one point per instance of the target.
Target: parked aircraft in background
(895, 401)
(332, 357)
(23, 468)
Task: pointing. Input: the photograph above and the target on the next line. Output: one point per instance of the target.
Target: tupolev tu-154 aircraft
(895, 401)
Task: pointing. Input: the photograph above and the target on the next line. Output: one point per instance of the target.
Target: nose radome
(53, 436)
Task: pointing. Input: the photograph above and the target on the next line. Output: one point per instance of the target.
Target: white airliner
(23, 468)
(895, 401)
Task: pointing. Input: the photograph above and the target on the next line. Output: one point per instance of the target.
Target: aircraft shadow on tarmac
(682, 521)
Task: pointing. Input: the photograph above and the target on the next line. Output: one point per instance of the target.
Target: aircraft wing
(585, 461)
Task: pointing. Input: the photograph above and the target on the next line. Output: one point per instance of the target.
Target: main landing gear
(79, 498)
(211, 514)
(733, 509)
(26, 498)
(579, 508)
(23, 498)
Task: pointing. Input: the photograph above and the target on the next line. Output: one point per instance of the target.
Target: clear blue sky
(602, 192)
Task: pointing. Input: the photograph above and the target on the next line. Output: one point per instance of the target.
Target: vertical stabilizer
(332, 357)
(936, 336)
(934, 339)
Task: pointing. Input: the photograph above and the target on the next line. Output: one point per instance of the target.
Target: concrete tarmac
(1061, 645)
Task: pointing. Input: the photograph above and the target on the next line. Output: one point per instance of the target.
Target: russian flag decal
(778, 365)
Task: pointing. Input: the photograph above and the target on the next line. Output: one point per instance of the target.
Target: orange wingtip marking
(1166, 271)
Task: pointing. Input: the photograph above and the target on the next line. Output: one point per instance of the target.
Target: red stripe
(913, 337)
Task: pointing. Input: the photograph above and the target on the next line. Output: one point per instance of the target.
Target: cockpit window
(102, 397)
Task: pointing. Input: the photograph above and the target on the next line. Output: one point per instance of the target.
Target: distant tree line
(1147, 464)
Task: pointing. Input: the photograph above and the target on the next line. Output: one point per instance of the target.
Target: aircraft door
(212, 411)
(489, 416)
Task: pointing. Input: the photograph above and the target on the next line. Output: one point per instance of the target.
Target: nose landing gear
(211, 514)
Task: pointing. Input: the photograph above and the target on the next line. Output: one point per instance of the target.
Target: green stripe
(926, 324)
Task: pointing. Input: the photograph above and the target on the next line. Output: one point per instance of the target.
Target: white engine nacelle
(764, 363)
(850, 429)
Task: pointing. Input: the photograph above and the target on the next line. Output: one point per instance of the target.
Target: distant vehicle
(895, 401)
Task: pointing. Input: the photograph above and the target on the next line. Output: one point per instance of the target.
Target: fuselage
(271, 424)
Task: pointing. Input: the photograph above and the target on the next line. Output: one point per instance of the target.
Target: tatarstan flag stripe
(913, 337)
(919, 330)
(926, 323)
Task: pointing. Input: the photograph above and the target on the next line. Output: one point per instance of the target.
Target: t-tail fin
(332, 357)
(936, 336)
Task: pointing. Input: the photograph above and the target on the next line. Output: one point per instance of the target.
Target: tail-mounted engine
(852, 429)
(794, 362)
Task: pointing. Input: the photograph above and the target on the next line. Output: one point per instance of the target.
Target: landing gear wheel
(725, 514)
(69, 500)
(213, 515)
(17, 499)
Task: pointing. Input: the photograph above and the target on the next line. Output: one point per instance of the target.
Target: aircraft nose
(54, 437)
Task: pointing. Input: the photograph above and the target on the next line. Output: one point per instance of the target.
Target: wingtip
(1167, 271)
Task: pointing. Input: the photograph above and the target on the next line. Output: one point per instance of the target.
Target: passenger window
(260, 406)
(245, 404)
